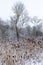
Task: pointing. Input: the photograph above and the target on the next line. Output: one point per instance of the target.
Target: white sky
(34, 8)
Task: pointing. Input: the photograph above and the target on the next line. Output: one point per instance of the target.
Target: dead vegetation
(16, 54)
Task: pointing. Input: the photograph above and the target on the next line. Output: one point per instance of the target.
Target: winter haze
(34, 7)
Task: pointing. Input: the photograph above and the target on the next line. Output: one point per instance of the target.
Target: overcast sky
(34, 8)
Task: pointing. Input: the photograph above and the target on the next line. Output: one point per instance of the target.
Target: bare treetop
(18, 8)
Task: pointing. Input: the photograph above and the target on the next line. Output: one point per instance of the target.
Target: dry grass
(17, 54)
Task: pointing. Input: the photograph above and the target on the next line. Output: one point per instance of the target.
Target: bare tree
(37, 26)
(19, 16)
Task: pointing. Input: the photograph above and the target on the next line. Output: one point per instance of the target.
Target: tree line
(20, 24)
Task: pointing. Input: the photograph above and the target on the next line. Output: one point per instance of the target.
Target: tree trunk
(17, 33)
